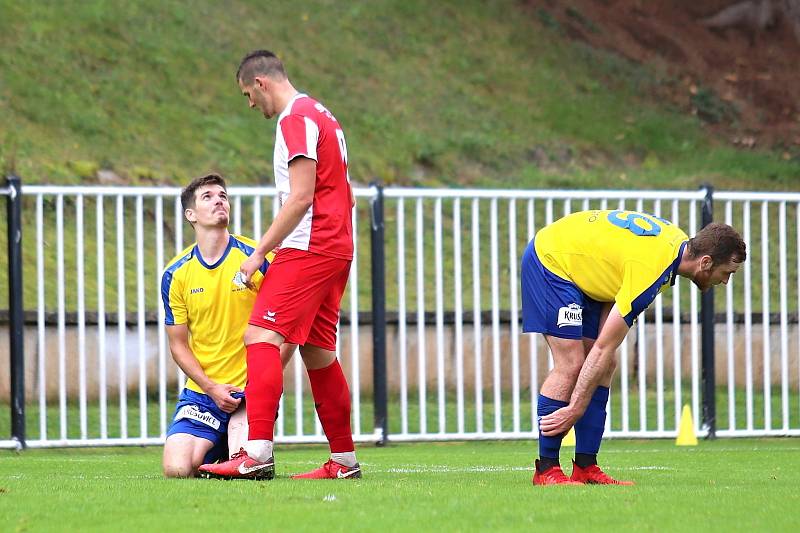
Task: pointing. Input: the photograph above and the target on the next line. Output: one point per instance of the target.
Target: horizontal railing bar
(593, 194)
(523, 435)
(757, 196)
(404, 192)
(90, 190)
(400, 192)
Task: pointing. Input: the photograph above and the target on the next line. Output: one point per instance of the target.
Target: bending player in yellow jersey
(206, 315)
(585, 279)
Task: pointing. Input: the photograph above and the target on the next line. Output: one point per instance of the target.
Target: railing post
(707, 320)
(16, 338)
(378, 316)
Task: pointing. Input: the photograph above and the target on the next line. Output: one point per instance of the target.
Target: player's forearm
(187, 362)
(597, 365)
(289, 216)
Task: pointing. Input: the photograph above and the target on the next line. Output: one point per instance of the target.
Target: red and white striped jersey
(306, 128)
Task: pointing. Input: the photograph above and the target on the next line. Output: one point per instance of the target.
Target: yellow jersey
(215, 309)
(617, 256)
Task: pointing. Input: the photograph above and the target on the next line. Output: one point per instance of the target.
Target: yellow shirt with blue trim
(214, 308)
(626, 257)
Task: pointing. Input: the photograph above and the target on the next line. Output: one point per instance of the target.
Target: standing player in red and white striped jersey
(300, 296)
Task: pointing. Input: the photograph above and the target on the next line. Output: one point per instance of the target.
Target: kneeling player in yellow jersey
(206, 315)
(585, 278)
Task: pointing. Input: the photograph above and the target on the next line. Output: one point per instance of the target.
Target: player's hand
(221, 394)
(248, 268)
(558, 422)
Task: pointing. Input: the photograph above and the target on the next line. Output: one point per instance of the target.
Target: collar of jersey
(677, 263)
(288, 109)
(219, 261)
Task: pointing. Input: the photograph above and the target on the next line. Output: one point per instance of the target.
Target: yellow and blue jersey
(617, 256)
(215, 309)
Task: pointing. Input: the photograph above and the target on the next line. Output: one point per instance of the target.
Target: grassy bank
(457, 93)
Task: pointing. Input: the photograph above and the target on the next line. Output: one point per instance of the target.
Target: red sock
(332, 399)
(263, 390)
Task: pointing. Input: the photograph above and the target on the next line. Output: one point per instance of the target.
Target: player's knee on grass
(178, 465)
(183, 455)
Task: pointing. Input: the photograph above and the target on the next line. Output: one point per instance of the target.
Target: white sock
(347, 459)
(260, 450)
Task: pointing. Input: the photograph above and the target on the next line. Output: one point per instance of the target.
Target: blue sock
(590, 427)
(549, 446)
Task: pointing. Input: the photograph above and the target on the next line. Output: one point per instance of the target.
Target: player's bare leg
(237, 430)
(287, 352)
(183, 454)
(332, 401)
(568, 357)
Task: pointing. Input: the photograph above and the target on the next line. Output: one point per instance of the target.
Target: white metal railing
(486, 386)
(458, 365)
(129, 235)
(765, 211)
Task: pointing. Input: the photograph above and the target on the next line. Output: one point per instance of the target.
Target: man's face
(708, 276)
(211, 207)
(258, 97)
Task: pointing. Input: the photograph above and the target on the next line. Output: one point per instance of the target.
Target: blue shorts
(197, 414)
(553, 305)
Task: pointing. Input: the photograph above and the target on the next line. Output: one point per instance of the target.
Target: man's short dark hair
(188, 193)
(721, 242)
(259, 63)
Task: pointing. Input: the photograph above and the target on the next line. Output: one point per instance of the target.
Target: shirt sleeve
(300, 134)
(640, 286)
(263, 269)
(172, 296)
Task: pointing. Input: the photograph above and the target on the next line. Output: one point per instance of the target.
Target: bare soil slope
(744, 82)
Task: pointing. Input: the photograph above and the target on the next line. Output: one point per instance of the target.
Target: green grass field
(722, 485)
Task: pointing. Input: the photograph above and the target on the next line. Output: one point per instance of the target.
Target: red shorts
(300, 297)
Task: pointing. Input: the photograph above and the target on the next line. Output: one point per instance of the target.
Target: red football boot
(592, 475)
(552, 476)
(332, 470)
(239, 466)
